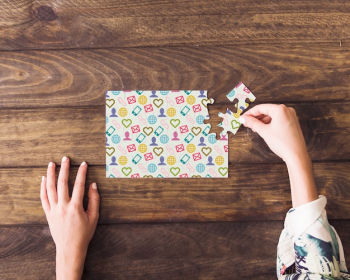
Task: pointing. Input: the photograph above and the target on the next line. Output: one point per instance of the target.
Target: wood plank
(252, 192)
(80, 77)
(46, 25)
(33, 137)
(243, 250)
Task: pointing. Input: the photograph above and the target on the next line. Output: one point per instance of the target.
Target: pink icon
(175, 137)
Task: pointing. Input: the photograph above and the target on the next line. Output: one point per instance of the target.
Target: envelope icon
(135, 129)
(180, 148)
(148, 156)
(148, 108)
(131, 148)
(136, 175)
(197, 108)
(183, 129)
(131, 99)
(196, 156)
(184, 175)
(226, 148)
(180, 99)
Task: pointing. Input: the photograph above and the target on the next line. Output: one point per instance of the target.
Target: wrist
(69, 265)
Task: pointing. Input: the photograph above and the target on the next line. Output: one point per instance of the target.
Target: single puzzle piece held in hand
(230, 119)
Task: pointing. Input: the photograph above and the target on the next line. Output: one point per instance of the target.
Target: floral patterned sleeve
(309, 248)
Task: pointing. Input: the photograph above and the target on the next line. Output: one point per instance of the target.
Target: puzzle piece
(230, 119)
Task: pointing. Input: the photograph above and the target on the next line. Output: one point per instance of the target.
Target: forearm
(302, 183)
(68, 266)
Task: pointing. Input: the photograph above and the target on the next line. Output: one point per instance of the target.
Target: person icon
(201, 94)
(175, 134)
(127, 134)
(113, 113)
(153, 94)
(107, 141)
(107, 94)
(210, 161)
(113, 161)
(223, 137)
(201, 142)
(161, 111)
(154, 139)
(161, 159)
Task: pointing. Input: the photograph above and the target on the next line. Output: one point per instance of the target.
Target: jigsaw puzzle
(162, 134)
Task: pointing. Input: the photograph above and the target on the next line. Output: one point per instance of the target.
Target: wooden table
(58, 58)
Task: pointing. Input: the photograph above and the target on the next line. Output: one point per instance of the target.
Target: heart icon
(110, 151)
(175, 170)
(148, 176)
(235, 124)
(196, 176)
(148, 130)
(110, 102)
(175, 122)
(158, 150)
(158, 102)
(223, 170)
(196, 130)
(126, 122)
(126, 171)
(206, 151)
(206, 101)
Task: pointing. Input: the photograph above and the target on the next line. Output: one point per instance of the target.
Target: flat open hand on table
(71, 227)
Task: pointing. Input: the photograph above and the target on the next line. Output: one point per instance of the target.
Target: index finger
(261, 109)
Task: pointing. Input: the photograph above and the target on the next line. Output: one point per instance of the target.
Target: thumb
(94, 202)
(253, 123)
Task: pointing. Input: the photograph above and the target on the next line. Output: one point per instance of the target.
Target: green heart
(126, 170)
(223, 170)
(110, 102)
(175, 122)
(238, 124)
(175, 170)
(110, 151)
(126, 122)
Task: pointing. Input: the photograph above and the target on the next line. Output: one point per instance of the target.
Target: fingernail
(50, 164)
(64, 158)
(94, 186)
(83, 163)
(241, 119)
(42, 178)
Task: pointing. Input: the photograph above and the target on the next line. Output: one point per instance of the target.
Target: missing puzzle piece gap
(230, 119)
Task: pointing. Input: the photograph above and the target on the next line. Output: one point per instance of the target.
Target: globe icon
(191, 99)
(123, 160)
(171, 112)
(152, 168)
(115, 92)
(171, 160)
(212, 139)
(219, 160)
(164, 139)
(142, 148)
(122, 112)
(142, 100)
(107, 119)
(164, 92)
(200, 119)
(152, 119)
(116, 139)
(191, 148)
(200, 167)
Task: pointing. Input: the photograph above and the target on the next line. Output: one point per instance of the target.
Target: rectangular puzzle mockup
(162, 134)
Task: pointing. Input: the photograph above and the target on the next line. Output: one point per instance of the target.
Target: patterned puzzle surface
(162, 134)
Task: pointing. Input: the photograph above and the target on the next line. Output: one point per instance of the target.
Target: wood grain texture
(28, 24)
(241, 250)
(80, 77)
(33, 137)
(253, 192)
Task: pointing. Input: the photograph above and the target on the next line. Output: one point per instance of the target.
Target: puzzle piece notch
(213, 129)
(231, 119)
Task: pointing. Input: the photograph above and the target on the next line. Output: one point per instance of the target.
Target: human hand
(71, 227)
(279, 126)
